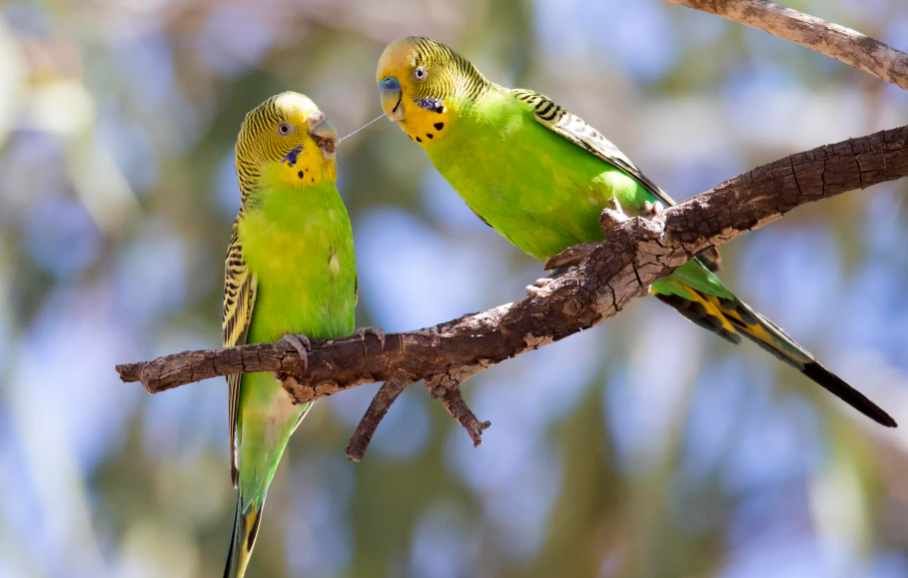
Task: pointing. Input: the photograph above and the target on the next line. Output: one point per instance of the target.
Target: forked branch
(635, 253)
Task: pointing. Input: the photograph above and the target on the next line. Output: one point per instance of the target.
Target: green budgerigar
(541, 176)
(290, 270)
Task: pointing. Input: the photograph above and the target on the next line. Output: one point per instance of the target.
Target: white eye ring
(419, 73)
(285, 129)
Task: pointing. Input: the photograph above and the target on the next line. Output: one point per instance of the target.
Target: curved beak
(391, 98)
(323, 133)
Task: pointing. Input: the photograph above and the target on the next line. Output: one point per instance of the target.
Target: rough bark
(635, 253)
(843, 44)
(380, 405)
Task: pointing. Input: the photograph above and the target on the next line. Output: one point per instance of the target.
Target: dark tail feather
(730, 318)
(834, 384)
(786, 349)
(231, 570)
(245, 530)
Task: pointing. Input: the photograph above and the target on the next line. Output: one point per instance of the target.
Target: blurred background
(644, 447)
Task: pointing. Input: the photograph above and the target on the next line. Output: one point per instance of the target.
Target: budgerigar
(290, 270)
(540, 176)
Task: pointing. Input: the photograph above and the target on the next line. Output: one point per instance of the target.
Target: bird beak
(391, 98)
(323, 133)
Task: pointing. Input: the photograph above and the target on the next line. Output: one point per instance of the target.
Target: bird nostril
(389, 83)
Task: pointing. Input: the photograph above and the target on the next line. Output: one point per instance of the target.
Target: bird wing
(570, 126)
(239, 298)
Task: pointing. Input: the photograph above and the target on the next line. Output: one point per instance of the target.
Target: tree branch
(843, 44)
(382, 401)
(635, 253)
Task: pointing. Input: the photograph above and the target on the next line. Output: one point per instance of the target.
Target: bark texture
(635, 253)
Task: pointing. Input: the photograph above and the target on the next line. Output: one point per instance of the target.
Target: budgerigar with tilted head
(541, 176)
(290, 270)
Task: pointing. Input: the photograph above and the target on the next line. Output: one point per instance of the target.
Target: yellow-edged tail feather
(245, 530)
(731, 318)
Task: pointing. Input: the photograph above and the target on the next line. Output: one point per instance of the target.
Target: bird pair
(528, 168)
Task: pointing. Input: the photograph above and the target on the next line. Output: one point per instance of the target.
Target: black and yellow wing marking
(239, 298)
(570, 126)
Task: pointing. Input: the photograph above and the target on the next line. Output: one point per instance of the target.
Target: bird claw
(539, 287)
(653, 209)
(612, 215)
(301, 344)
(376, 331)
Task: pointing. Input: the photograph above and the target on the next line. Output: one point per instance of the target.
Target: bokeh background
(644, 447)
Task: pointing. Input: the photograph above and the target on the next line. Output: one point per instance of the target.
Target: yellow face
(416, 84)
(287, 139)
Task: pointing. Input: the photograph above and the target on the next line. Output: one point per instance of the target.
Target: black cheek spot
(418, 139)
(439, 125)
(428, 135)
(300, 174)
(313, 179)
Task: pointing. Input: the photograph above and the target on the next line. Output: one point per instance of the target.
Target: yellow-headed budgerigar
(540, 176)
(290, 270)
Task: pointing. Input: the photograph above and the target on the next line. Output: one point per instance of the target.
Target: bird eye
(419, 73)
(285, 128)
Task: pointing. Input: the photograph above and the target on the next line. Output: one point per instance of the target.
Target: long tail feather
(246, 522)
(730, 318)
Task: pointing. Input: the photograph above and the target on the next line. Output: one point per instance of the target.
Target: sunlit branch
(843, 44)
(635, 253)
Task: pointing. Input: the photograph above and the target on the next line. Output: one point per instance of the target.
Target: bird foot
(539, 287)
(612, 215)
(572, 256)
(654, 209)
(301, 344)
(376, 331)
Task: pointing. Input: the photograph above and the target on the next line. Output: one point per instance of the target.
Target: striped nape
(248, 174)
(461, 76)
(252, 147)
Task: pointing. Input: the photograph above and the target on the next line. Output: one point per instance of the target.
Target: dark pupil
(284, 129)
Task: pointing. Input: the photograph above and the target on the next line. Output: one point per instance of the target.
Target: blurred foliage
(644, 447)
